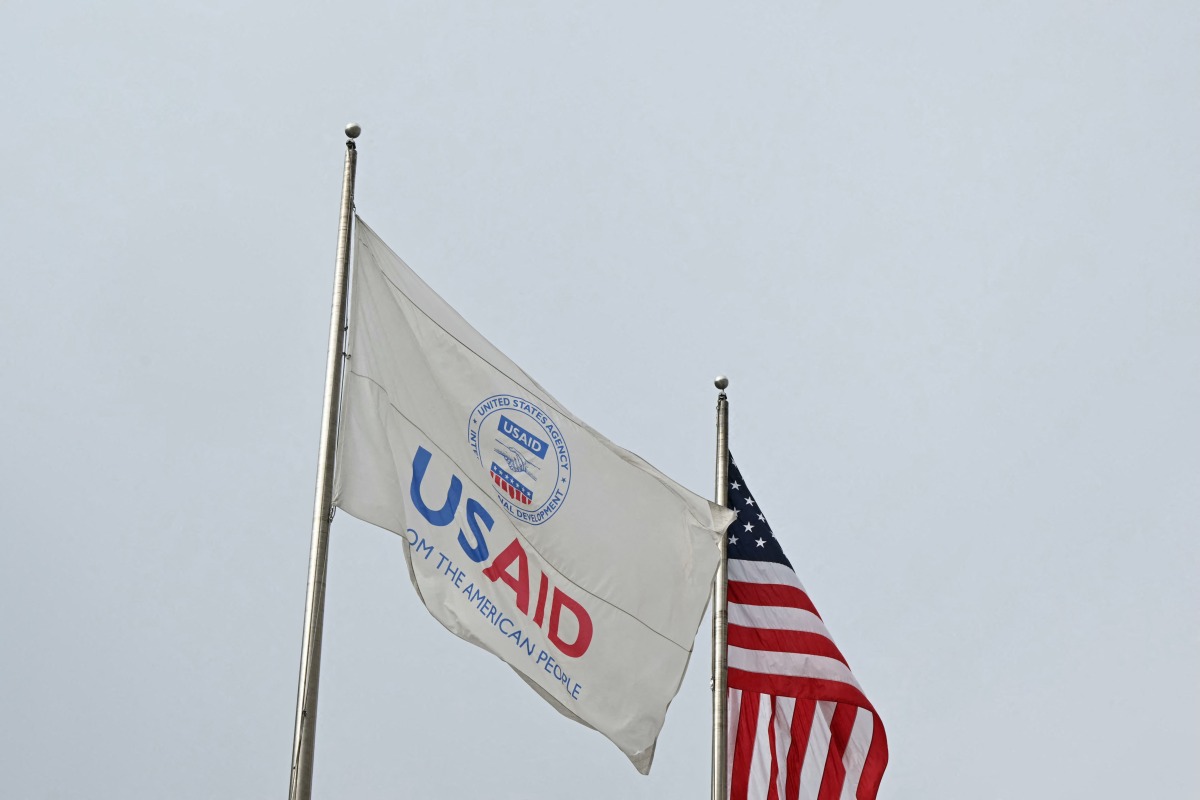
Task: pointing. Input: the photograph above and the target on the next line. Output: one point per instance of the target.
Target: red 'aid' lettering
(540, 613)
(519, 584)
(584, 638)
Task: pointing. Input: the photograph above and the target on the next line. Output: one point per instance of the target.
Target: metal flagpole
(720, 648)
(304, 739)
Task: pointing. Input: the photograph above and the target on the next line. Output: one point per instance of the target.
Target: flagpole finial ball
(353, 130)
(721, 382)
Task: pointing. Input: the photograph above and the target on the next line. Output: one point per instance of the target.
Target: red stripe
(835, 762)
(777, 641)
(770, 594)
(772, 785)
(743, 747)
(877, 758)
(802, 719)
(807, 688)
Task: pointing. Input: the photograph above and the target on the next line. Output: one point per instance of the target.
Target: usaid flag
(529, 534)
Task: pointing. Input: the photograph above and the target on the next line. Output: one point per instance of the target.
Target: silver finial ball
(721, 382)
(353, 130)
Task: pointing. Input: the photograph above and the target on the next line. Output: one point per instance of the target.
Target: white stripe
(777, 618)
(785, 707)
(763, 572)
(760, 757)
(733, 711)
(856, 752)
(792, 664)
(813, 768)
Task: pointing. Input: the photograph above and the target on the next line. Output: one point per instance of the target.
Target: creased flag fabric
(800, 726)
(528, 533)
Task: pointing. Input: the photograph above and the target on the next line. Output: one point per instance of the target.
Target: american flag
(799, 724)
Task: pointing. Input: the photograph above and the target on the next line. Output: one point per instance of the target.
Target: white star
(749, 527)
(749, 501)
(760, 542)
(761, 518)
(735, 485)
(733, 539)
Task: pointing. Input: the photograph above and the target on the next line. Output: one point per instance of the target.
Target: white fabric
(812, 769)
(763, 572)
(733, 713)
(794, 665)
(857, 746)
(598, 527)
(777, 618)
(761, 755)
(785, 709)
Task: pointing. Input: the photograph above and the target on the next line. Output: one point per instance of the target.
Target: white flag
(529, 534)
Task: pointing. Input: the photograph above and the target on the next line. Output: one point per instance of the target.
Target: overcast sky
(949, 257)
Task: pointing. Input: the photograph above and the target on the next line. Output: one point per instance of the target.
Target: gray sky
(949, 257)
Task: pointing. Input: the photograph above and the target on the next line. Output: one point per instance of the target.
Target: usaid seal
(525, 456)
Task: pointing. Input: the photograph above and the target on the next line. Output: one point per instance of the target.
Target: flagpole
(304, 738)
(720, 628)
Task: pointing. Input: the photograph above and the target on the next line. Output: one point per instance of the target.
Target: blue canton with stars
(750, 536)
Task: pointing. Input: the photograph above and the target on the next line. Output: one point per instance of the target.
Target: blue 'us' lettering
(476, 549)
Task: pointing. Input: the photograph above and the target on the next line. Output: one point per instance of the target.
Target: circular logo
(524, 454)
